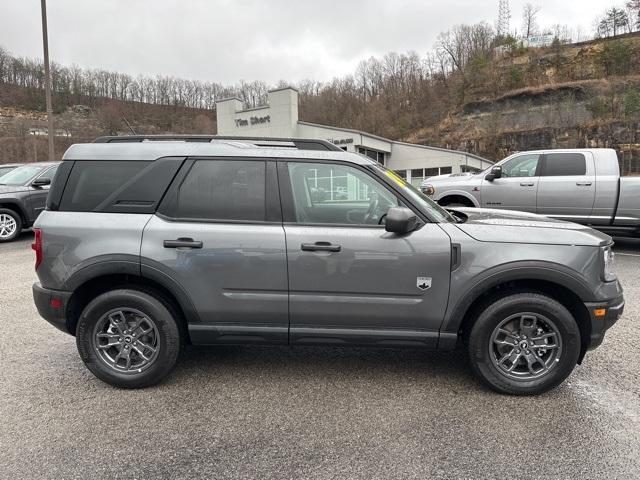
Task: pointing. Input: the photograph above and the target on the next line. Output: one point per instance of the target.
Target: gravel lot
(249, 412)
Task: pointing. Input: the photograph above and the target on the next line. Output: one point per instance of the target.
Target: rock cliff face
(578, 96)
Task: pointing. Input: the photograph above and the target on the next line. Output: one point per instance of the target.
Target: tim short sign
(244, 122)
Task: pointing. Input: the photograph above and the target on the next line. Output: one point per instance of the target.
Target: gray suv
(151, 243)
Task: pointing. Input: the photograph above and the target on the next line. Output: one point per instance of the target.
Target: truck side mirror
(496, 172)
(401, 220)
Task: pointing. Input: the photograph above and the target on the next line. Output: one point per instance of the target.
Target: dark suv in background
(23, 195)
(149, 243)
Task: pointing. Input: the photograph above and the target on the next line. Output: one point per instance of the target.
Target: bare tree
(530, 19)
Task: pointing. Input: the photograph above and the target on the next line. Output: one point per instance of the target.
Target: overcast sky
(231, 40)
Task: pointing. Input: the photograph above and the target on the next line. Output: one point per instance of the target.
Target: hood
(12, 189)
(449, 178)
(490, 225)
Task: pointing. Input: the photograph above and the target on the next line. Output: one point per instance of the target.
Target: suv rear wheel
(128, 338)
(10, 225)
(524, 344)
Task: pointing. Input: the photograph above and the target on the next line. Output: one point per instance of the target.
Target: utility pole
(47, 80)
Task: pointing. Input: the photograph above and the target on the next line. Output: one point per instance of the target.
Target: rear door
(567, 186)
(218, 234)
(517, 188)
(350, 280)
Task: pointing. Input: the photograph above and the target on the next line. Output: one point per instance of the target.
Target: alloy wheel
(8, 226)
(525, 346)
(126, 340)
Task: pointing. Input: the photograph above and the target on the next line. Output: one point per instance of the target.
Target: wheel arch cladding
(91, 287)
(561, 286)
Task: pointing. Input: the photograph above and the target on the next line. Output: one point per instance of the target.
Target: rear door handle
(583, 184)
(320, 247)
(526, 184)
(182, 243)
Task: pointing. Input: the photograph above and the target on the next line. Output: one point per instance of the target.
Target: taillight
(37, 246)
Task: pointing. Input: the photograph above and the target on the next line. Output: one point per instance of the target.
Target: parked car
(7, 167)
(23, 194)
(148, 245)
(578, 185)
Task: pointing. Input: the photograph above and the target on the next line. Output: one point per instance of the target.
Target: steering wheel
(374, 202)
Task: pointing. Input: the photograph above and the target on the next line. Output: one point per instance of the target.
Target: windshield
(435, 210)
(21, 175)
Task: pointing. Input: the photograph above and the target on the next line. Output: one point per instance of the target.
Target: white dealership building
(279, 118)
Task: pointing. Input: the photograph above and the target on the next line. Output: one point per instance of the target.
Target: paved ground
(251, 412)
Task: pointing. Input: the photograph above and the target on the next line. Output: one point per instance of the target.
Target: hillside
(567, 96)
(506, 98)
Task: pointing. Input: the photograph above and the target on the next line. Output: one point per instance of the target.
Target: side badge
(423, 283)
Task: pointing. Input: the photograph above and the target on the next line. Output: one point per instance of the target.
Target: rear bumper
(52, 305)
(613, 310)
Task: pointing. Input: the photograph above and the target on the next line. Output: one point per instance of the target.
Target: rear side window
(118, 186)
(564, 164)
(223, 190)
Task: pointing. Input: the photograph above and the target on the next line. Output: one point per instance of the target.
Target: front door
(517, 188)
(38, 195)
(567, 186)
(219, 237)
(350, 281)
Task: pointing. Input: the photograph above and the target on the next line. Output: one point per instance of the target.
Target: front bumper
(603, 316)
(52, 305)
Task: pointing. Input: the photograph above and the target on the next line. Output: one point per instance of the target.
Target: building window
(372, 154)
(401, 173)
(431, 172)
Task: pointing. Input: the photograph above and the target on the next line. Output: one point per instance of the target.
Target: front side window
(521, 166)
(564, 164)
(223, 190)
(21, 175)
(338, 194)
(49, 174)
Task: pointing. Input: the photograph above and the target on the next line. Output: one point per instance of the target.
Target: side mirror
(496, 172)
(41, 182)
(401, 220)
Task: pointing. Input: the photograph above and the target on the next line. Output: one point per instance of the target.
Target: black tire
(484, 360)
(167, 338)
(16, 217)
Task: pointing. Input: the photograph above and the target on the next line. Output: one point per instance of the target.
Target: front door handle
(583, 184)
(526, 184)
(182, 243)
(320, 247)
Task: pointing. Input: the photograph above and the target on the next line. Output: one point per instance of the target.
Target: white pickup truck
(578, 185)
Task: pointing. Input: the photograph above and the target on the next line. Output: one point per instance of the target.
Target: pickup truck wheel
(10, 225)
(128, 338)
(524, 344)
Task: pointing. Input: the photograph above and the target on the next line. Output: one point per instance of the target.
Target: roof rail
(299, 143)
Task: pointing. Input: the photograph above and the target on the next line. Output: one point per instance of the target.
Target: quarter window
(338, 194)
(223, 190)
(521, 166)
(564, 164)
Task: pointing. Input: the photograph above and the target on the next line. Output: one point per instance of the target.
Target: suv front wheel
(128, 338)
(524, 344)
(10, 225)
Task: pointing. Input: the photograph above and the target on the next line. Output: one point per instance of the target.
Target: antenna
(128, 125)
(504, 17)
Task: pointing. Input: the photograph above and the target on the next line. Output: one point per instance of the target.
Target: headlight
(608, 255)
(428, 190)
